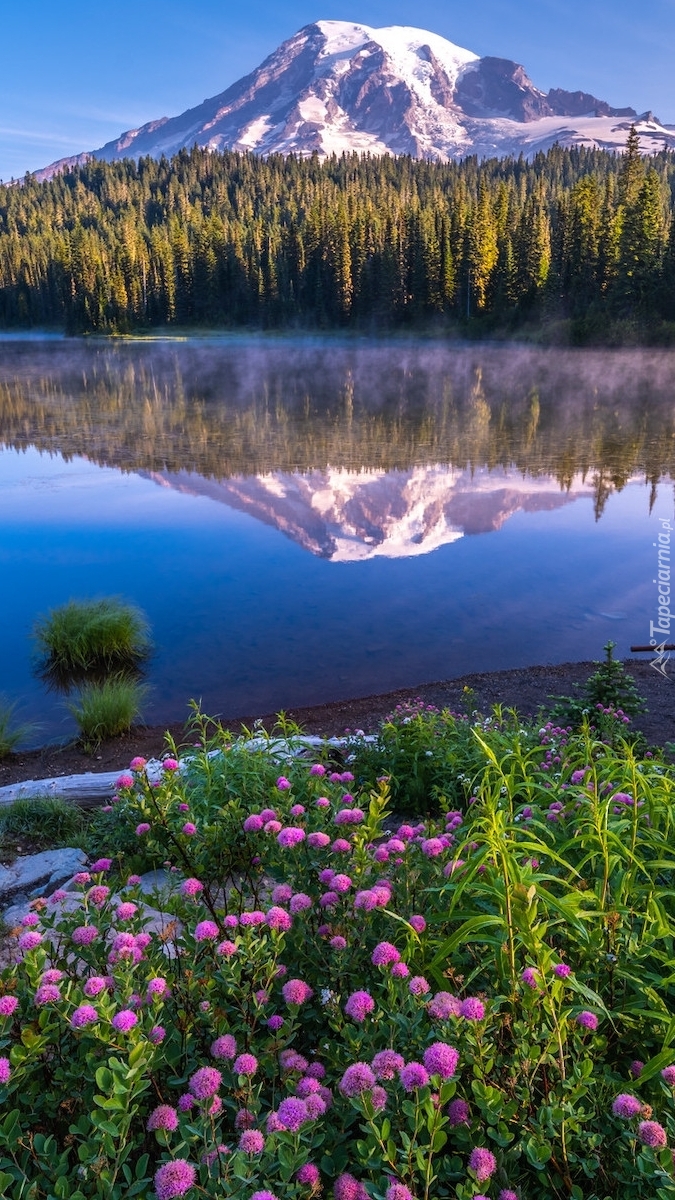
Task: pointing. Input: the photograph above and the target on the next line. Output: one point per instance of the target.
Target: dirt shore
(527, 689)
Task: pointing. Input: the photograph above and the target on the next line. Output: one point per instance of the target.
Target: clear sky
(75, 74)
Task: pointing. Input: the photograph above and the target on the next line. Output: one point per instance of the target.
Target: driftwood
(96, 788)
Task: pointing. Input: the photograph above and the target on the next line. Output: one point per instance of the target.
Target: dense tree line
(233, 239)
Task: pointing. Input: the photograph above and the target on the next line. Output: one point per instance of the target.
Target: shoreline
(528, 689)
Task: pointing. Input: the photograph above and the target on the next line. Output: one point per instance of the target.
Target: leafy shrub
(85, 636)
(610, 690)
(452, 1009)
(431, 757)
(107, 709)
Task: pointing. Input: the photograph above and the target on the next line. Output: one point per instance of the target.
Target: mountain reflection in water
(370, 455)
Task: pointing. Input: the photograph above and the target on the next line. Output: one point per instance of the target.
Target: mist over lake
(309, 519)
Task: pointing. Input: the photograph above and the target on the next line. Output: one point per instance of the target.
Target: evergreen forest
(581, 238)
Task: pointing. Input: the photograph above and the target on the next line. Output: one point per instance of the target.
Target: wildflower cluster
(375, 1008)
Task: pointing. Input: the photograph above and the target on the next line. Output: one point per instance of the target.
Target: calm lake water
(306, 520)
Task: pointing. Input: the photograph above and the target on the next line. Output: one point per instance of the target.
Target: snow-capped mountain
(336, 86)
(351, 516)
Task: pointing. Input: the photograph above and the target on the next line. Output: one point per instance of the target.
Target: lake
(307, 519)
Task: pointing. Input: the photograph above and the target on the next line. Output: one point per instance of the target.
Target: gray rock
(36, 874)
(12, 916)
(161, 883)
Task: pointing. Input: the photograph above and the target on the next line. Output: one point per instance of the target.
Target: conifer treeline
(231, 239)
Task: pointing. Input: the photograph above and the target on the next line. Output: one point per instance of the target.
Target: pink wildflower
(359, 1005)
(441, 1059)
(652, 1134)
(626, 1106)
(483, 1163)
(86, 1014)
(226, 949)
(101, 864)
(283, 783)
(316, 841)
(206, 931)
(668, 1075)
(472, 1009)
(278, 918)
(5, 1071)
(205, 1082)
(418, 986)
(142, 829)
(124, 781)
(30, 940)
(386, 1063)
(299, 902)
(246, 1064)
(47, 993)
(98, 894)
(224, 1047)
(356, 1079)
(292, 1112)
(308, 1174)
(348, 1188)
(413, 1075)
(174, 1178)
(157, 1034)
(163, 1117)
(189, 829)
(170, 764)
(458, 1112)
(443, 1006)
(587, 1020)
(398, 1191)
(290, 836)
(418, 923)
(251, 1141)
(8, 1005)
(384, 954)
(296, 991)
(399, 970)
(137, 763)
(124, 1020)
(191, 887)
(253, 823)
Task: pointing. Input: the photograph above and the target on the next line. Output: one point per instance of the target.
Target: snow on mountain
(336, 86)
(351, 516)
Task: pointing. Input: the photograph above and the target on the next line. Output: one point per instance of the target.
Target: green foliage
(210, 238)
(610, 691)
(431, 758)
(107, 709)
(531, 931)
(47, 823)
(10, 733)
(85, 636)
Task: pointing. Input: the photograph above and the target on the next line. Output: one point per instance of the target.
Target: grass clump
(10, 734)
(43, 822)
(85, 636)
(107, 709)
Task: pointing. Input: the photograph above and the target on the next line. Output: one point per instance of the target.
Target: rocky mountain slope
(336, 86)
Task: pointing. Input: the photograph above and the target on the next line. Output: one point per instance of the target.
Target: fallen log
(95, 788)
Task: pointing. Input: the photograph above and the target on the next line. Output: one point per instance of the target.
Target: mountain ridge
(337, 86)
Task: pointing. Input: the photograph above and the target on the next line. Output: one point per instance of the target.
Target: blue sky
(75, 74)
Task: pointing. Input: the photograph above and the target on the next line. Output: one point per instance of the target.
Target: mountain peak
(338, 86)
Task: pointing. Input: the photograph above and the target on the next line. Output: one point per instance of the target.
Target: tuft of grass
(92, 635)
(107, 709)
(10, 734)
(42, 822)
